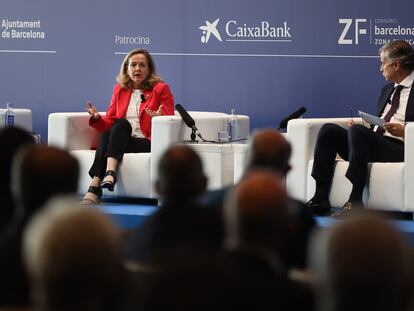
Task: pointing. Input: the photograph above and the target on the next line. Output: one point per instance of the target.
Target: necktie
(395, 102)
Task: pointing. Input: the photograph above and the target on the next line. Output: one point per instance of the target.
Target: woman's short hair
(401, 51)
(125, 81)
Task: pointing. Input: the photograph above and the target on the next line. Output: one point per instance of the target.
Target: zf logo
(352, 26)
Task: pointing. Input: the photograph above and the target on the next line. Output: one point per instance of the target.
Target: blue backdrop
(265, 57)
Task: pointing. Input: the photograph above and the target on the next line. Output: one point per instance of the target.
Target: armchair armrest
(409, 166)
(165, 132)
(71, 131)
(302, 134)
(169, 130)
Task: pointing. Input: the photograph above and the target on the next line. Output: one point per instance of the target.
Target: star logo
(210, 29)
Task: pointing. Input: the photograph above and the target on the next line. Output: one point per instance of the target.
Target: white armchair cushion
(378, 194)
(85, 158)
(386, 186)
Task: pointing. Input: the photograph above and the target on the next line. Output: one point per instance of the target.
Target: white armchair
(390, 186)
(138, 171)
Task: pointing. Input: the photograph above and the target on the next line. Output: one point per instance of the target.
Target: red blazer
(160, 94)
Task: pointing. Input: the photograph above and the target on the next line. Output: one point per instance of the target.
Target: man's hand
(152, 113)
(395, 129)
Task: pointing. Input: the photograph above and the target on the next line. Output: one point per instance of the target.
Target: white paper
(371, 119)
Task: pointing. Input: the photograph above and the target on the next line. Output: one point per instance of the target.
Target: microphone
(297, 114)
(188, 120)
(142, 98)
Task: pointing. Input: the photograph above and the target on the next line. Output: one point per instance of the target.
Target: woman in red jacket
(138, 96)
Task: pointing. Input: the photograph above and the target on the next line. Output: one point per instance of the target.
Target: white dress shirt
(399, 116)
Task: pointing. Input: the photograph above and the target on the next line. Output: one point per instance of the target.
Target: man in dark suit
(269, 150)
(248, 274)
(181, 233)
(256, 221)
(181, 228)
(359, 144)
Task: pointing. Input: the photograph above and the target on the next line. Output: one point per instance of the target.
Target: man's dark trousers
(358, 145)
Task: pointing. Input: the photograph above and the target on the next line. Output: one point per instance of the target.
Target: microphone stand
(193, 139)
(193, 136)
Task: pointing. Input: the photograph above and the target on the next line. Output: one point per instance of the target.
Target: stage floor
(130, 213)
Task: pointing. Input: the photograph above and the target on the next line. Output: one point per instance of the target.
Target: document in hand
(371, 119)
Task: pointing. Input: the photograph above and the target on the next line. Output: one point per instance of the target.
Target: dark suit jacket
(236, 280)
(14, 285)
(176, 232)
(253, 282)
(294, 253)
(385, 96)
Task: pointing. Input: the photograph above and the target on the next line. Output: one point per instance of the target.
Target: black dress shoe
(347, 209)
(319, 207)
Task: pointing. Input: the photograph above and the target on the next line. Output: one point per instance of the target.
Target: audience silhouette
(233, 249)
(256, 220)
(249, 274)
(361, 264)
(269, 150)
(181, 233)
(181, 225)
(73, 258)
(11, 140)
(38, 173)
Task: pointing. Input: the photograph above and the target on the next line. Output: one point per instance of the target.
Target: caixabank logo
(234, 30)
(373, 31)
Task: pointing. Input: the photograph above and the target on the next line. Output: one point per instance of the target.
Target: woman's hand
(152, 113)
(395, 129)
(350, 122)
(91, 109)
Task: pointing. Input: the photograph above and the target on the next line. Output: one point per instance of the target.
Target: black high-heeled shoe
(108, 184)
(91, 201)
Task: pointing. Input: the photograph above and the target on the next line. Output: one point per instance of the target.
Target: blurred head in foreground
(40, 172)
(361, 264)
(256, 212)
(73, 258)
